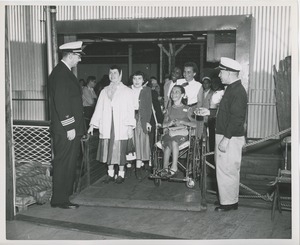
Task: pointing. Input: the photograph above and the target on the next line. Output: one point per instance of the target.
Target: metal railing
(32, 141)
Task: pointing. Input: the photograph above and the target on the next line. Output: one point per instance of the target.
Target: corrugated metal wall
(271, 42)
(28, 59)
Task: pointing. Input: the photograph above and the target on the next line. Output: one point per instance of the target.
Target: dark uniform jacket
(65, 101)
(231, 115)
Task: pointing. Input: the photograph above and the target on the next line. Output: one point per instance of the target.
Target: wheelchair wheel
(190, 183)
(156, 167)
(202, 182)
(196, 159)
(157, 182)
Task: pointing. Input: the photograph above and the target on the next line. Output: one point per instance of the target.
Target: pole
(53, 35)
(129, 59)
(49, 40)
(10, 179)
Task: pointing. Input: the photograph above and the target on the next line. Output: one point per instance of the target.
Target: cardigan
(145, 107)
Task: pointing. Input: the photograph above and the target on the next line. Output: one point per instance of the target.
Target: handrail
(30, 123)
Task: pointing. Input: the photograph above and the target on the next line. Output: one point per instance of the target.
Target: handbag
(180, 130)
(130, 148)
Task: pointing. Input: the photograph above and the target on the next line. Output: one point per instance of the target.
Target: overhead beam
(184, 24)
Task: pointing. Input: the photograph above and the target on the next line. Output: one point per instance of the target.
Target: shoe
(68, 205)
(147, 167)
(217, 203)
(222, 208)
(108, 179)
(172, 173)
(128, 172)
(138, 174)
(163, 173)
(119, 180)
(56, 205)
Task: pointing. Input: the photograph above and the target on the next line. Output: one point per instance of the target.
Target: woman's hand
(148, 127)
(91, 130)
(171, 123)
(179, 123)
(130, 132)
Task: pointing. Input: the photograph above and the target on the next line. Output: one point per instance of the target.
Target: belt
(192, 104)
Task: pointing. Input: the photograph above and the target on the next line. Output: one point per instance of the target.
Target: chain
(258, 141)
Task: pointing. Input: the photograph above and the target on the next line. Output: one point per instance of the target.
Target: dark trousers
(88, 112)
(212, 133)
(65, 162)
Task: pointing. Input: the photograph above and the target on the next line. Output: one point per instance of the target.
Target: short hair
(139, 73)
(182, 89)
(191, 64)
(114, 67)
(91, 78)
(154, 78)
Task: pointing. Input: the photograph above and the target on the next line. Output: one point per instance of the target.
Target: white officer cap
(229, 65)
(72, 47)
(206, 78)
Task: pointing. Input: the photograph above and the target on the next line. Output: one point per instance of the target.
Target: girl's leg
(110, 174)
(175, 153)
(138, 171)
(138, 163)
(111, 171)
(121, 171)
(167, 154)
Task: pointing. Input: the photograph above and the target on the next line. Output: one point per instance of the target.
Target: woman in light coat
(114, 117)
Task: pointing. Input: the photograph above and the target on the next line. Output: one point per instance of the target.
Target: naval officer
(230, 133)
(67, 124)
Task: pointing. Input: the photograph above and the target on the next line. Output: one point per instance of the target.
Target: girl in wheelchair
(176, 120)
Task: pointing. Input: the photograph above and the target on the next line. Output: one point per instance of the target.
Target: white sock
(128, 165)
(121, 173)
(111, 172)
(138, 164)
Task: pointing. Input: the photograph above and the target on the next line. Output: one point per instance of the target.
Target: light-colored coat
(122, 108)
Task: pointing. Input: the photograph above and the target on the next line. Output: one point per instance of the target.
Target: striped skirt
(142, 143)
(112, 151)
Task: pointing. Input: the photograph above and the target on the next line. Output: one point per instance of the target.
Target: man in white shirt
(89, 99)
(175, 75)
(190, 85)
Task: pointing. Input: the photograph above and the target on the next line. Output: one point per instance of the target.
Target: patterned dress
(179, 113)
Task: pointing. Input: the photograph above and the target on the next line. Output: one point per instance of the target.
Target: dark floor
(140, 210)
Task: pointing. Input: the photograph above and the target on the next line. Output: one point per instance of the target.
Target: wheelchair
(190, 160)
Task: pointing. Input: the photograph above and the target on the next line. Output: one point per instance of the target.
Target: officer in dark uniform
(67, 124)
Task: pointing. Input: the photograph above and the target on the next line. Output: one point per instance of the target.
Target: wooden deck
(135, 210)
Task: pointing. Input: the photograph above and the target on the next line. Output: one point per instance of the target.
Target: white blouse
(136, 95)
